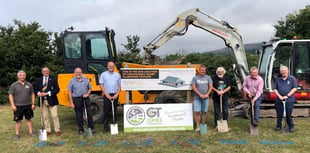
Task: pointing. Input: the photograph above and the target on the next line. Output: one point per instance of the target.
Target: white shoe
(197, 129)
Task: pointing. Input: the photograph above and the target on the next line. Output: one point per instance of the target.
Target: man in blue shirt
(79, 90)
(110, 83)
(285, 88)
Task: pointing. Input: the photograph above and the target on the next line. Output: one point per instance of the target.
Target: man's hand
(283, 97)
(109, 97)
(72, 106)
(42, 94)
(204, 96)
(14, 108)
(33, 106)
(220, 93)
(114, 97)
(250, 95)
(253, 101)
(85, 95)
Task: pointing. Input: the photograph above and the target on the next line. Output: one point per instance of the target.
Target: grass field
(161, 141)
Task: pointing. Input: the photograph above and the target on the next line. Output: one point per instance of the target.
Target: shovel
(113, 126)
(285, 128)
(88, 131)
(42, 131)
(253, 129)
(222, 125)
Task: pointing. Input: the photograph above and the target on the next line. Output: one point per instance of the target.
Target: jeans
(256, 109)
(201, 105)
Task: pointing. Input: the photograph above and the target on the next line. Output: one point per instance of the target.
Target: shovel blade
(42, 135)
(203, 129)
(222, 126)
(114, 129)
(253, 130)
(286, 130)
(89, 132)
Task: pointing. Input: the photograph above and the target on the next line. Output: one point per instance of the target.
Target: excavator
(293, 53)
(296, 55)
(179, 27)
(222, 29)
(91, 50)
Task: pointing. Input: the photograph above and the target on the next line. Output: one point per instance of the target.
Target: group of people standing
(203, 85)
(22, 97)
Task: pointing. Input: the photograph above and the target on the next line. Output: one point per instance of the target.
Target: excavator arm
(222, 29)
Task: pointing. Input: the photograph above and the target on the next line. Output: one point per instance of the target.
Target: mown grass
(161, 141)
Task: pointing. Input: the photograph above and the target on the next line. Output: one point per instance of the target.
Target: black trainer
(277, 128)
(93, 131)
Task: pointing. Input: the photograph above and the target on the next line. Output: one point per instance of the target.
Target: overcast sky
(146, 18)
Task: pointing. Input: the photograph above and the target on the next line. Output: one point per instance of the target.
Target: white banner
(158, 117)
(157, 79)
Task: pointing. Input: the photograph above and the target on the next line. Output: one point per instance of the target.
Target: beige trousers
(52, 110)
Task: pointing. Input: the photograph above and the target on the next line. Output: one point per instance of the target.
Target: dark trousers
(289, 109)
(217, 109)
(107, 108)
(80, 109)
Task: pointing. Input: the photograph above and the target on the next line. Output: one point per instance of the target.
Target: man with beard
(221, 85)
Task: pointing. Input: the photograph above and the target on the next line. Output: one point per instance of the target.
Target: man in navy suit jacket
(47, 88)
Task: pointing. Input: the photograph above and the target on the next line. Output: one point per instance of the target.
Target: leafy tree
(131, 53)
(56, 64)
(294, 24)
(25, 47)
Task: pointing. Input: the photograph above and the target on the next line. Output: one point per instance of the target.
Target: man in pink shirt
(253, 87)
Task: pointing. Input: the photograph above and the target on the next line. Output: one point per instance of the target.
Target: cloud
(146, 18)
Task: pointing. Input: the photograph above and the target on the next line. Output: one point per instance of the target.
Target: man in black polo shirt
(221, 85)
(22, 98)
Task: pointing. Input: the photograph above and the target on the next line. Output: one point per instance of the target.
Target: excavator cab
(90, 51)
(295, 54)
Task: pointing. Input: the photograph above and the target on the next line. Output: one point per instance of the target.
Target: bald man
(110, 83)
(79, 90)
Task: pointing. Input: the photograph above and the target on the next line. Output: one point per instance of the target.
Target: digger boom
(222, 29)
